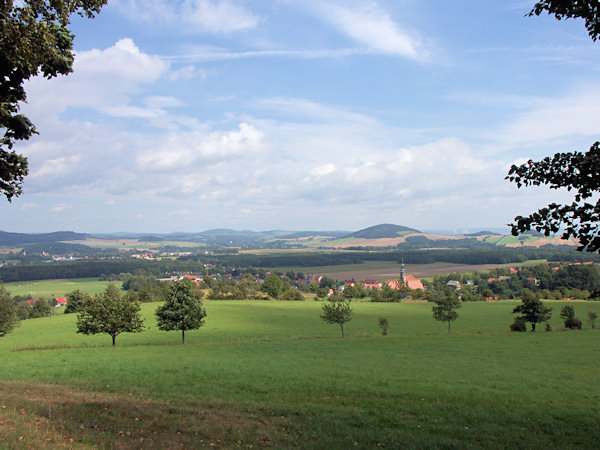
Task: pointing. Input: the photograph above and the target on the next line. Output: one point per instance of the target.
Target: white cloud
(61, 207)
(190, 16)
(552, 118)
(370, 25)
(124, 61)
(323, 170)
(184, 150)
(101, 79)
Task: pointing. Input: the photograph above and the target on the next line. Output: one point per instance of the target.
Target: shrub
(518, 325)
(383, 324)
(592, 316)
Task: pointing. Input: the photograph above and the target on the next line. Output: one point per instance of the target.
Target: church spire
(403, 272)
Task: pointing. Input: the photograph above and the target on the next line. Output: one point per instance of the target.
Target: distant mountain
(7, 238)
(479, 233)
(385, 230)
(227, 232)
(303, 234)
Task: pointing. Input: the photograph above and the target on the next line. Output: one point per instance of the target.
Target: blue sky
(301, 114)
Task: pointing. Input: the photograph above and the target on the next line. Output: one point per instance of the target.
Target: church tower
(403, 272)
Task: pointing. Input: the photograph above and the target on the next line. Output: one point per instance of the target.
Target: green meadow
(270, 373)
(57, 288)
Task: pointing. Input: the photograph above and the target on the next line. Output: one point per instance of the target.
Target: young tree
(41, 308)
(34, 38)
(337, 310)
(182, 310)
(273, 285)
(445, 308)
(8, 315)
(75, 300)
(567, 313)
(532, 310)
(109, 313)
(383, 324)
(572, 170)
(592, 316)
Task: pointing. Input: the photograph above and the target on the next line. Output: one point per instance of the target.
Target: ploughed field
(273, 374)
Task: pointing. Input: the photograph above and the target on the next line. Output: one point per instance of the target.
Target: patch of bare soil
(48, 416)
(418, 270)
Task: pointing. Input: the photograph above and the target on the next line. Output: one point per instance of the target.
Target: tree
(337, 310)
(532, 310)
(570, 9)
(8, 314)
(109, 313)
(383, 324)
(34, 38)
(445, 308)
(273, 285)
(41, 308)
(567, 313)
(75, 300)
(182, 310)
(573, 170)
(592, 316)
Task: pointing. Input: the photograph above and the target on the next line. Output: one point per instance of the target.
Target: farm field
(270, 373)
(386, 270)
(57, 288)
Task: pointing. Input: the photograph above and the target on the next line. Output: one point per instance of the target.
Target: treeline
(196, 264)
(548, 281)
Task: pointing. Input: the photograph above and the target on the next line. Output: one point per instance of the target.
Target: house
(60, 301)
(454, 284)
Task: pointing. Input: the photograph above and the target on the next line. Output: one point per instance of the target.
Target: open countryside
(273, 374)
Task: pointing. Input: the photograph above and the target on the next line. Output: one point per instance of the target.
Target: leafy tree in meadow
(445, 308)
(337, 311)
(34, 38)
(109, 313)
(567, 313)
(572, 170)
(383, 324)
(532, 310)
(273, 285)
(182, 310)
(75, 300)
(8, 314)
(41, 308)
(592, 316)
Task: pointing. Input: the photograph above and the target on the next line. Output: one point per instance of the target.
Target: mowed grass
(274, 374)
(57, 288)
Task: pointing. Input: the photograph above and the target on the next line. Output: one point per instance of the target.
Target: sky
(187, 115)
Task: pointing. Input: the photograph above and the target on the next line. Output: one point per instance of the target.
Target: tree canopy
(572, 170)
(8, 315)
(34, 39)
(109, 313)
(182, 310)
(532, 310)
(337, 310)
(572, 9)
(575, 171)
(445, 308)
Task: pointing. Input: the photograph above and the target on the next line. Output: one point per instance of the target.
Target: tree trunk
(342, 327)
(114, 337)
(183, 336)
(532, 327)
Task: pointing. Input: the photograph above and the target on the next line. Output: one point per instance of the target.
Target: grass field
(273, 374)
(57, 288)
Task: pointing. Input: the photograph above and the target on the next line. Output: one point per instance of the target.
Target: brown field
(48, 416)
(418, 270)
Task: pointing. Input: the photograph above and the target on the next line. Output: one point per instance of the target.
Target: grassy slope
(57, 288)
(274, 361)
